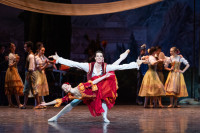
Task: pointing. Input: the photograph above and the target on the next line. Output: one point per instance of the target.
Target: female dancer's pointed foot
(53, 119)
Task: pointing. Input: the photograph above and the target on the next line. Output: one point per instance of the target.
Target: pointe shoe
(161, 106)
(21, 106)
(106, 120)
(43, 104)
(177, 106)
(139, 103)
(151, 106)
(53, 119)
(170, 106)
(146, 106)
(124, 55)
(38, 107)
(11, 105)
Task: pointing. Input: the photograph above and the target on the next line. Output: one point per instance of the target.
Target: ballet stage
(124, 118)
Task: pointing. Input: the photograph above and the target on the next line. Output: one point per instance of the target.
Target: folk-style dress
(175, 83)
(151, 84)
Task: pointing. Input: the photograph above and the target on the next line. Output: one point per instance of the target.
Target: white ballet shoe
(106, 120)
(104, 114)
(53, 119)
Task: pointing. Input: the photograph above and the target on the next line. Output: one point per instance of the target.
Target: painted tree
(120, 48)
(133, 46)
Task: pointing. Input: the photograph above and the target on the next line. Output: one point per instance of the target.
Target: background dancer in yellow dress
(151, 85)
(41, 81)
(175, 84)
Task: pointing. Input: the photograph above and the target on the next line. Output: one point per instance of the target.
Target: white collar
(95, 71)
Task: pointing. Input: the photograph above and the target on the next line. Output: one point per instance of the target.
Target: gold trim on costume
(82, 88)
(59, 102)
(94, 87)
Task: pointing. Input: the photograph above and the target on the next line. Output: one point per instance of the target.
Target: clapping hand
(172, 68)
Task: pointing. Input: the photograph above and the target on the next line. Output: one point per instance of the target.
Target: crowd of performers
(100, 91)
(151, 83)
(35, 77)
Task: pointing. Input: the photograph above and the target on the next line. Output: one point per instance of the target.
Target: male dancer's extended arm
(70, 63)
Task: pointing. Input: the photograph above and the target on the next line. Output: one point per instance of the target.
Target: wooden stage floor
(124, 119)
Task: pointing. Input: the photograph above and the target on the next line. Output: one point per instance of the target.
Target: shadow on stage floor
(124, 118)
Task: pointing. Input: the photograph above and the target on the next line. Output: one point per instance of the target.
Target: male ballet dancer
(93, 69)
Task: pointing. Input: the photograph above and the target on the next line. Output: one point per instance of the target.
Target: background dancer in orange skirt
(151, 85)
(13, 81)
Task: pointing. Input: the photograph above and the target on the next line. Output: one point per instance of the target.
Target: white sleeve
(83, 66)
(131, 65)
(152, 60)
(11, 59)
(167, 61)
(31, 63)
(184, 61)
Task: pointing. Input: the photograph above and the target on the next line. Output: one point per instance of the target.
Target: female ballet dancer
(91, 93)
(41, 81)
(175, 84)
(13, 81)
(151, 86)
